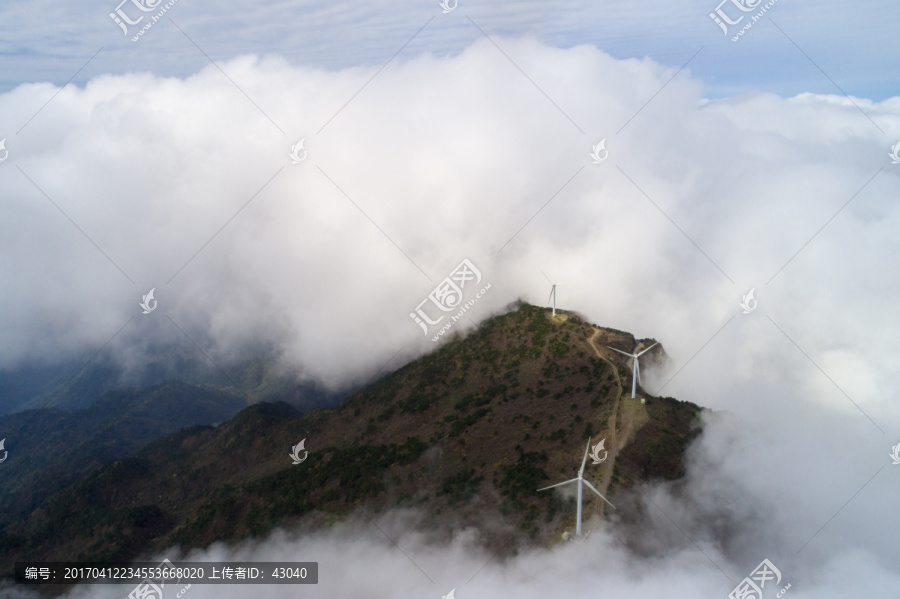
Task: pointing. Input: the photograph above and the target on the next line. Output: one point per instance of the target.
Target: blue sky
(852, 44)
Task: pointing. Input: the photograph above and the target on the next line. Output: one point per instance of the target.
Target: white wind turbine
(553, 297)
(580, 479)
(636, 369)
(552, 292)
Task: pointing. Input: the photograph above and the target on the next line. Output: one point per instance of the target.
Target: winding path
(612, 436)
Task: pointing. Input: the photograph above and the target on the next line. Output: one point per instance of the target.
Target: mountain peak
(474, 428)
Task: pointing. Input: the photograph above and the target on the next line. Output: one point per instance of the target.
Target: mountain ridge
(475, 427)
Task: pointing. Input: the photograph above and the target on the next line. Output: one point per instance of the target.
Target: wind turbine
(580, 479)
(552, 292)
(636, 374)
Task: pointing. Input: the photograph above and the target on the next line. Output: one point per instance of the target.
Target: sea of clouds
(137, 181)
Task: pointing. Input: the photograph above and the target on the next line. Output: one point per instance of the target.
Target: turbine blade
(581, 471)
(637, 371)
(621, 352)
(591, 487)
(559, 484)
(648, 349)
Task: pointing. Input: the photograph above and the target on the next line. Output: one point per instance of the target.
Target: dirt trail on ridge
(632, 418)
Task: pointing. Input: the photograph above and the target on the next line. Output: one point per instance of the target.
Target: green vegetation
(521, 480)
(461, 487)
(461, 424)
(472, 399)
(419, 400)
(557, 435)
(342, 476)
(440, 432)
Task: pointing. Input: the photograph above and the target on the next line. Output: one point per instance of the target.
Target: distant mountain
(33, 386)
(50, 449)
(474, 428)
(77, 384)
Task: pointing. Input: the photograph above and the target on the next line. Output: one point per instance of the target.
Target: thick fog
(136, 182)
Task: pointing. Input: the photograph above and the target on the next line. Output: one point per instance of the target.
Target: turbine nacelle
(581, 480)
(636, 368)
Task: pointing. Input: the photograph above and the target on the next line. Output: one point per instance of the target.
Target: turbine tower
(553, 297)
(636, 369)
(552, 292)
(580, 479)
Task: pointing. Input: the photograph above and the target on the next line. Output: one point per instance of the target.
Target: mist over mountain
(268, 253)
(182, 185)
(78, 384)
(421, 468)
(464, 437)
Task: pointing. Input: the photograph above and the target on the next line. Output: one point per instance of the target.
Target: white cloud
(50, 40)
(451, 157)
